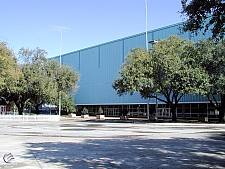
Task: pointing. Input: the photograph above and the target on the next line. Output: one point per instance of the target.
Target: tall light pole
(60, 62)
(146, 24)
(60, 47)
(156, 104)
(146, 41)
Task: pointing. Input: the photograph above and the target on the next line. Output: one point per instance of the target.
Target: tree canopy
(167, 72)
(40, 81)
(135, 75)
(204, 14)
(212, 58)
(9, 71)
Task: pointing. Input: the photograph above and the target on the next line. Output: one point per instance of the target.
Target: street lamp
(60, 62)
(146, 24)
(146, 40)
(153, 42)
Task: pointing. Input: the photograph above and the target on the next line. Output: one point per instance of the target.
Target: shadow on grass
(131, 152)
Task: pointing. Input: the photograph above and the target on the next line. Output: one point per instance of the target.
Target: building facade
(99, 66)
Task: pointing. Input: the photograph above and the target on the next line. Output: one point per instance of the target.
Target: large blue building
(99, 65)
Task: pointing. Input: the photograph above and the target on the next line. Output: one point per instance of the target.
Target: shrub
(100, 110)
(84, 111)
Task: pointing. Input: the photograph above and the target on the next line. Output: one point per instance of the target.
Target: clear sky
(85, 23)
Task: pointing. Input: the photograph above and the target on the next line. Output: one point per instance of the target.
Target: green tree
(41, 86)
(65, 79)
(204, 14)
(41, 80)
(212, 58)
(9, 71)
(84, 111)
(10, 74)
(36, 73)
(169, 70)
(100, 111)
(67, 103)
(136, 74)
(17, 92)
(31, 84)
(28, 56)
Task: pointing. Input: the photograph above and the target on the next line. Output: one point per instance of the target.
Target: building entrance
(111, 111)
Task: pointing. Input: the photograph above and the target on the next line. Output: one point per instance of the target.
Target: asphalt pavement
(75, 143)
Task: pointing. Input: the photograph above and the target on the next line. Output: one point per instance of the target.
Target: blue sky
(85, 23)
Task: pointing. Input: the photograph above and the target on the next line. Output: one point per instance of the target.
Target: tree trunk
(222, 109)
(20, 108)
(174, 114)
(37, 109)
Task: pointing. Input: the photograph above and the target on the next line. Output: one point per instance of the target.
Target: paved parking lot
(78, 143)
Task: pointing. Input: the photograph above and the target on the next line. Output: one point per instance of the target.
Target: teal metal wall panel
(72, 59)
(134, 42)
(201, 35)
(165, 32)
(99, 66)
(89, 70)
(193, 98)
(56, 58)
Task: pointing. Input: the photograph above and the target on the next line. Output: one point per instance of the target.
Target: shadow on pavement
(131, 152)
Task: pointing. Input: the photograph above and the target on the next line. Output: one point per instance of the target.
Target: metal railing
(29, 118)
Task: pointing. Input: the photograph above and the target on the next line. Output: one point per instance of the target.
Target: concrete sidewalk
(81, 143)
